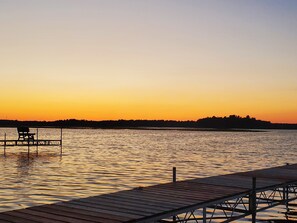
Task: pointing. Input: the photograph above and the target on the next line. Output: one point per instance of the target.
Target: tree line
(230, 122)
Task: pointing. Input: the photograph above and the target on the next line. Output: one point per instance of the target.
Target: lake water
(96, 161)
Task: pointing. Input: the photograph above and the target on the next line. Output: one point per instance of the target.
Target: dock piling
(28, 147)
(253, 200)
(37, 141)
(204, 214)
(61, 141)
(4, 144)
(286, 197)
(174, 174)
(174, 181)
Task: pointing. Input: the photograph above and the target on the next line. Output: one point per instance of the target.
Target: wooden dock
(222, 198)
(29, 142)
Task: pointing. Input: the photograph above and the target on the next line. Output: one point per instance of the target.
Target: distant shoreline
(231, 123)
(158, 129)
(155, 129)
(193, 129)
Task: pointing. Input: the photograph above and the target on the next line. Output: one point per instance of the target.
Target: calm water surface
(101, 161)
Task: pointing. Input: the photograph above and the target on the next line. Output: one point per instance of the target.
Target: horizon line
(106, 120)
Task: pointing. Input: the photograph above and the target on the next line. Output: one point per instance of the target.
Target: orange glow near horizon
(187, 102)
(167, 108)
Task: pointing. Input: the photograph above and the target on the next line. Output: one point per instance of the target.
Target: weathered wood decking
(163, 201)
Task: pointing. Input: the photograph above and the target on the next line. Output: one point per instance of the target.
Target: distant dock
(222, 198)
(31, 142)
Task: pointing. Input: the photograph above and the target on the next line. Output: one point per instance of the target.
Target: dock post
(286, 197)
(174, 174)
(204, 214)
(28, 147)
(4, 144)
(253, 201)
(61, 142)
(174, 181)
(37, 141)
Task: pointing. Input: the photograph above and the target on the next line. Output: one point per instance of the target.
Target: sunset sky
(148, 59)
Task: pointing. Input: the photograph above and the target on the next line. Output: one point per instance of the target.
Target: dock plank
(59, 215)
(282, 174)
(101, 211)
(116, 208)
(15, 219)
(137, 201)
(126, 204)
(239, 181)
(68, 213)
(188, 195)
(291, 166)
(30, 215)
(108, 218)
(153, 197)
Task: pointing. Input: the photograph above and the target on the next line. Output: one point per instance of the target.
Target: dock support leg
(37, 142)
(61, 142)
(286, 199)
(4, 144)
(174, 181)
(253, 201)
(28, 147)
(204, 215)
(174, 174)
